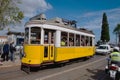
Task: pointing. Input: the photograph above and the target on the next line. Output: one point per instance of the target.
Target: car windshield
(102, 47)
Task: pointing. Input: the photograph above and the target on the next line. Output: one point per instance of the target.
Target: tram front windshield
(26, 36)
(34, 36)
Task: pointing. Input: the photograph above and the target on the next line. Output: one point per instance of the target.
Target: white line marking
(55, 74)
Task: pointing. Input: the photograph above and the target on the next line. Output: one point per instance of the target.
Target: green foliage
(117, 29)
(105, 37)
(117, 32)
(99, 42)
(9, 13)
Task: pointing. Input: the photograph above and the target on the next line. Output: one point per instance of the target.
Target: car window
(107, 48)
(102, 47)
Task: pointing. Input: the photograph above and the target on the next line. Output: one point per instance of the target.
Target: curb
(17, 62)
(6, 66)
(10, 64)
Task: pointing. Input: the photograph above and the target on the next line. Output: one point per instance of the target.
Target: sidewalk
(10, 63)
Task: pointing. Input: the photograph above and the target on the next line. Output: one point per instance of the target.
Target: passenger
(71, 43)
(87, 43)
(63, 42)
(82, 42)
(52, 41)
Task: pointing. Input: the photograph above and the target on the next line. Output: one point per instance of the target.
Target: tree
(105, 37)
(117, 32)
(9, 13)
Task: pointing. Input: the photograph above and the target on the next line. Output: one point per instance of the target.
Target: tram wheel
(25, 69)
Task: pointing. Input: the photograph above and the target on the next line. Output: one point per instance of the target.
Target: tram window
(71, 39)
(77, 40)
(26, 35)
(90, 41)
(82, 40)
(51, 51)
(87, 41)
(63, 39)
(49, 36)
(46, 37)
(52, 40)
(35, 35)
(46, 51)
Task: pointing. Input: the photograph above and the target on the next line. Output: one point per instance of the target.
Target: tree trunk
(116, 39)
(119, 39)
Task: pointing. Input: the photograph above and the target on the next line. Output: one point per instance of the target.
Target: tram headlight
(24, 54)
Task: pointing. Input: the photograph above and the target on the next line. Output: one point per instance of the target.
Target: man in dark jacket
(5, 51)
(12, 49)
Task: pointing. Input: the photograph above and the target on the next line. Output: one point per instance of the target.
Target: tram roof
(58, 22)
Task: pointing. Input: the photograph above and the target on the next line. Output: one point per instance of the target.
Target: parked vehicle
(113, 70)
(103, 49)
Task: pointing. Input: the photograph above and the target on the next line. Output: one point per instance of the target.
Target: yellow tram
(54, 41)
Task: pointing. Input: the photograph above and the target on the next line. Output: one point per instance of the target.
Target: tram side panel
(67, 53)
(33, 55)
(84, 51)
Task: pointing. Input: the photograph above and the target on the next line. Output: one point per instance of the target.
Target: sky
(87, 13)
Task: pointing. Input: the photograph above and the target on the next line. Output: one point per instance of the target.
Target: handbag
(2, 55)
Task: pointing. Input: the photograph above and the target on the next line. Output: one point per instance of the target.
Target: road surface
(92, 69)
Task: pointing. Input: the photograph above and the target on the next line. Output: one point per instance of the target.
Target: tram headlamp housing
(24, 54)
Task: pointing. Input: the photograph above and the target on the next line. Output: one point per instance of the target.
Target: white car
(103, 49)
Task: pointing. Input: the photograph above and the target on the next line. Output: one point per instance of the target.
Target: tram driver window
(26, 35)
(35, 35)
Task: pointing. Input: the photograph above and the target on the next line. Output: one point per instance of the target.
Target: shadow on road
(58, 65)
(98, 74)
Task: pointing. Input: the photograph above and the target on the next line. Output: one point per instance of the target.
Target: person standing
(12, 49)
(63, 42)
(6, 51)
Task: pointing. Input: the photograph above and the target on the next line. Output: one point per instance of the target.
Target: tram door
(48, 45)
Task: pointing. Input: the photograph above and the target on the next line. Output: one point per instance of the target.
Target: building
(3, 39)
(16, 37)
